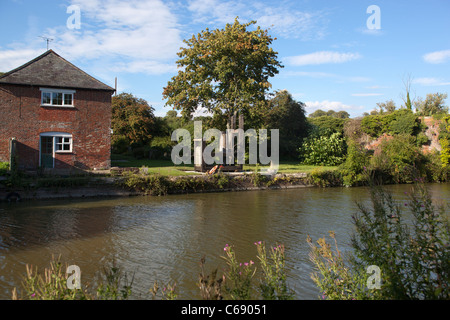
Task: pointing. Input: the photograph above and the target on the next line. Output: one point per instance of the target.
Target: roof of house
(51, 70)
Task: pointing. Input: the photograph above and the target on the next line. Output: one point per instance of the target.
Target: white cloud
(437, 56)
(324, 75)
(124, 35)
(322, 57)
(283, 20)
(326, 105)
(430, 82)
(11, 59)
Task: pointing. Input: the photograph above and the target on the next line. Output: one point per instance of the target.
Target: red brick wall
(89, 122)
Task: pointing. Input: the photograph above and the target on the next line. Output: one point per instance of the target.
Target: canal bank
(136, 185)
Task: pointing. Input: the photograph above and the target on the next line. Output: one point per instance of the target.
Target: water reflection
(162, 238)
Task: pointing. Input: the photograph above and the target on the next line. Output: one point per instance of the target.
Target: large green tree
(223, 71)
(132, 120)
(434, 103)
(287, 115)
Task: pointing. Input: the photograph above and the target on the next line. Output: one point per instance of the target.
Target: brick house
(54, 115)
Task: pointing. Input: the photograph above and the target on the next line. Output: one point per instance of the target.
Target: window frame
(55, 136)
(63, 93)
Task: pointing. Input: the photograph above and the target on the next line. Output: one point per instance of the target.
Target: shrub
(152, 184)
(414, 264)
(4, 167)
(444, 140)
(119, 144)
(402, 121)
(400, 158)
(161, 147)
(273, 284)
(238, 276)
(327, 124)
(324, 150)
(324, 178)
(50, 286)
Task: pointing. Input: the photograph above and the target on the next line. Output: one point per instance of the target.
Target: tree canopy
(132, 120)
(434, 103)
(287, 115)
(223, 71)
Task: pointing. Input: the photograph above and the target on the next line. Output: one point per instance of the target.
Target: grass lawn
(166, 167)
(163, 167)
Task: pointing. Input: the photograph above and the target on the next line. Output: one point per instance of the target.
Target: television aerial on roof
(48, 40)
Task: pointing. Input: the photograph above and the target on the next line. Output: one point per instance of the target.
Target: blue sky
(331, 59)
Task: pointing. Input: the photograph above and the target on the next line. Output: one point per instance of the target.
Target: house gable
(52, 110)
(51, 70)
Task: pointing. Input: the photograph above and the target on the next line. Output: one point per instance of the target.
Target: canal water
(164, 238)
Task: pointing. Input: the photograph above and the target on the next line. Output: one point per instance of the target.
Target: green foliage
(326, 125)
(355, 166)
(402, 121)
(324, 178)
(434, 103)
(155, 184)
(51, 285)
(333, 277)
(115, 285)
(288, 116)
(161, 147)
(132, 121)
(415, 263)
(398, 159)
(444, 140)
(421, 139)
(225, 69)
(4, 167)
(330, 113)
(238, 283)
(435, 170)
(273, 284)
(413, 256)
(323, 150)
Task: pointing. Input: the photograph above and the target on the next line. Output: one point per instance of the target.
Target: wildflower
(251, 262)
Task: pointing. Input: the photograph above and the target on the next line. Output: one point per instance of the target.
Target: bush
(161, 147)
(324, 178)
(444, 140)
(4, 167)
(402, 121)
(323, 150)
(400, 158)
(355, 164)
(119, 144)
(413, 264)
(328, 123)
